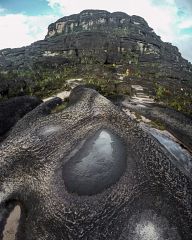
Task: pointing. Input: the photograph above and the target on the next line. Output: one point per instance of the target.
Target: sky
(25, 21)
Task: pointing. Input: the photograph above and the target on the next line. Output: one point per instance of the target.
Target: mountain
(94, 40)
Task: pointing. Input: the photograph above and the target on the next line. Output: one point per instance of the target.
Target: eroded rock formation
(14, 109)
(149, 197)
(96, 36)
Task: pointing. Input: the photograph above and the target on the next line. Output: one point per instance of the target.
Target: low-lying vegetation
(38, 82)
(44, 82)
(60, 107)
(157, 124)
(180, 99)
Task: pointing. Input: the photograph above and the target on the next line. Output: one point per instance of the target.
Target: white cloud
(130, 6)
(184, 43)
(56, 3)
(19, 30)
(187, 23)
(2, 10)
(185, 5)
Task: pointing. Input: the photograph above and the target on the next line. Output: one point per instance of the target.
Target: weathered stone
(14, 109)
(96, 36)
(139, 192)
(110, 34)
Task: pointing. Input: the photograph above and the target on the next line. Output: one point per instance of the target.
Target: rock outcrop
(101, 37)
(90, 172)
(14, 109)
(97, 36)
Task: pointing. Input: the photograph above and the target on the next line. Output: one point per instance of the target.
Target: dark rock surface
(14, 109)
(151, 199)
(96, 36)
(179, 124)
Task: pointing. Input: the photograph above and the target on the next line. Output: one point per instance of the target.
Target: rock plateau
(101, 37)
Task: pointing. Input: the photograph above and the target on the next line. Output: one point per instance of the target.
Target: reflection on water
(100, 153)
(97, 165)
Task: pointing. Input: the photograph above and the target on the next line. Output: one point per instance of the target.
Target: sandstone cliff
(100, 37)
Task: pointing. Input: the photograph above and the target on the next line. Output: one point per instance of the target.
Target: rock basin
(97, 165)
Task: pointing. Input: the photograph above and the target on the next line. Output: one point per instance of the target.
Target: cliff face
(95, 20)
(96, 36)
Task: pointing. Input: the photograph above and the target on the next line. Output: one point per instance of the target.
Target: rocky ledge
(99, 37)
(127, 185)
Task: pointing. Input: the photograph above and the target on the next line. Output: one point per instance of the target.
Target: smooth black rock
(15, 108)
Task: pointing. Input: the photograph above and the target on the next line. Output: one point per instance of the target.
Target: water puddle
(97, 165)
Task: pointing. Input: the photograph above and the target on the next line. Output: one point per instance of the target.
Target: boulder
(14, 109)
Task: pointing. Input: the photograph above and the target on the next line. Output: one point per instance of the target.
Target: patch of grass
(60, 107)
(157, 124)
(180, 99)
(41, 82)
(137, 115)
(44, 81)
(108, 87)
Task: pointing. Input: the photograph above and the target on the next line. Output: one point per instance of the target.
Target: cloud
(56, 3)
(19, 30)
(130, 6)
(186, 23)
(186, 5)
(185, 43)
(2, 10)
